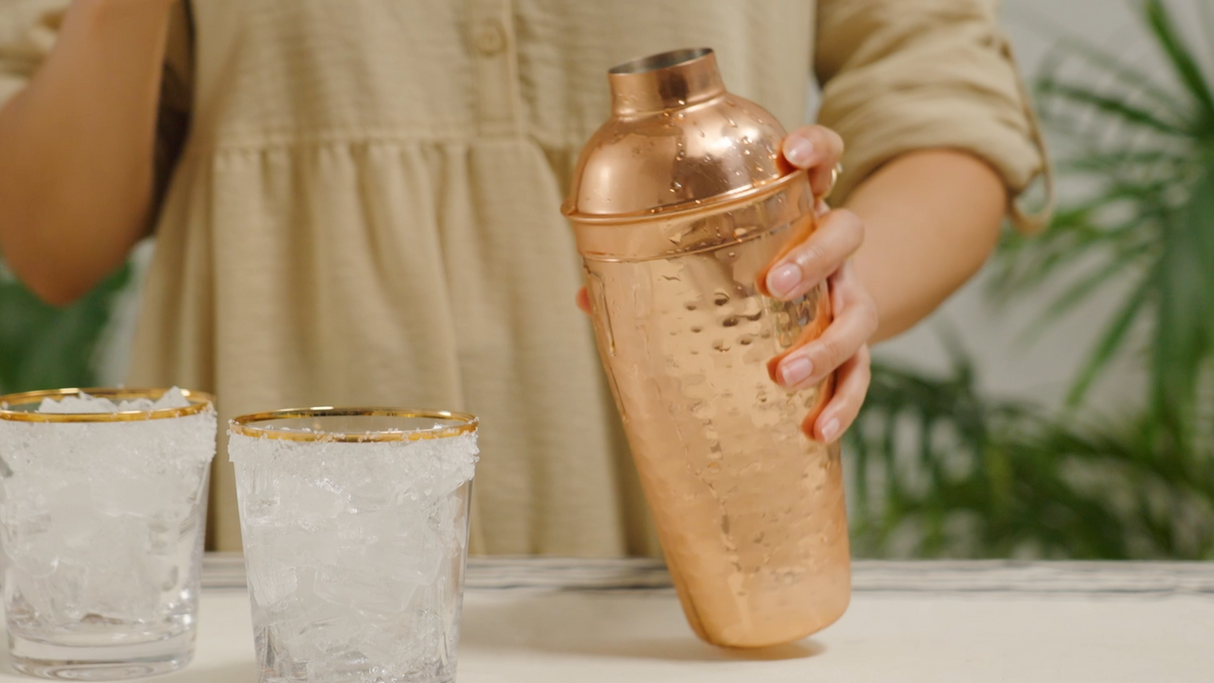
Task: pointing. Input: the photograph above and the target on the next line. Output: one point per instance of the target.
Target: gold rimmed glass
(354, 425)
(355, 529)
(103, 517)
(24, 407)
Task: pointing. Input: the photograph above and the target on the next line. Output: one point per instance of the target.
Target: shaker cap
(676, 140)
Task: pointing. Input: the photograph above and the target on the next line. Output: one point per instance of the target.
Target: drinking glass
(355, 528)
(102, 515)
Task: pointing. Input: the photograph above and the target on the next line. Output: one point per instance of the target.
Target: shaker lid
(676, 140)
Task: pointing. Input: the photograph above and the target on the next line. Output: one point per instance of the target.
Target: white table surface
(567, 621)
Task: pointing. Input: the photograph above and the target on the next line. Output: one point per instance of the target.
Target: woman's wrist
(932, 217)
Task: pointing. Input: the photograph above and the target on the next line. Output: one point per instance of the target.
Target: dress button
(489, 38)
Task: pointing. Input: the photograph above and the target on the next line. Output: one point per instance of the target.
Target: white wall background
(1008, 365)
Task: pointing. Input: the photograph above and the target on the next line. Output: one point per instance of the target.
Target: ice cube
(84, 403)
(370, 591)
(80, 404)
(280, 559)
(173, 398)
(137, 496)
(344, 665)
(137, 405)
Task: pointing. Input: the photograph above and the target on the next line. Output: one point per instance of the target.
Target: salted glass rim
(247, 425)
(10, 405)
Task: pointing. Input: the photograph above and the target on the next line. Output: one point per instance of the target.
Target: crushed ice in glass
(102, 521)
(83, 403)
(355, 555)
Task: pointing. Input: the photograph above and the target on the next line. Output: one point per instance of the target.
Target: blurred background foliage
(941, 470)
(937, 468)
(44, 347)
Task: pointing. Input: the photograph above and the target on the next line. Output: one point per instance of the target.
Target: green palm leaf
(1118, 107)
(1180, 55)
(1022, 482)
(1184, 330)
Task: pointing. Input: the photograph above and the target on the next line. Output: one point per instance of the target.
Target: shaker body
(750, 512)
(680, 201)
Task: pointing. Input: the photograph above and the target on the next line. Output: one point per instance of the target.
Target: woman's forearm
(77, 145)
(931, 220)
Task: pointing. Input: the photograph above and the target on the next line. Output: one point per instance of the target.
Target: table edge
(225, 571)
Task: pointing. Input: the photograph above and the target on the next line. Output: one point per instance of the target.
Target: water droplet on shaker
(681, 155)
(682, 101)
(689, 306)
(720, 298)
(731, 321)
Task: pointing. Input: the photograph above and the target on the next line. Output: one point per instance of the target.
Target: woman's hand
(824, 256)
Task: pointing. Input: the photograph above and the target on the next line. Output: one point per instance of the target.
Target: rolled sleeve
(28, 29)
(906, 75)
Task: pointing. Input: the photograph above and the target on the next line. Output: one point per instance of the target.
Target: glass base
(109, 663)
(99, 671)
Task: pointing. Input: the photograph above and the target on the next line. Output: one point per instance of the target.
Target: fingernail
(830, 430)
(798, 151)
(783, 280)
(793, 371)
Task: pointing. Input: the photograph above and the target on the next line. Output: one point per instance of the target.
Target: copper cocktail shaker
(681, 201)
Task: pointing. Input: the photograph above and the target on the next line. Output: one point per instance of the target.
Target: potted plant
(980, 477)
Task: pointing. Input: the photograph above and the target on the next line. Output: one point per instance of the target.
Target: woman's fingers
(855, 320)
(583, 300)
(851, 386)
(842, 349)
(838, 236)
(817, 149)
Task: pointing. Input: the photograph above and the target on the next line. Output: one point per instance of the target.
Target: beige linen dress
(366, 210)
